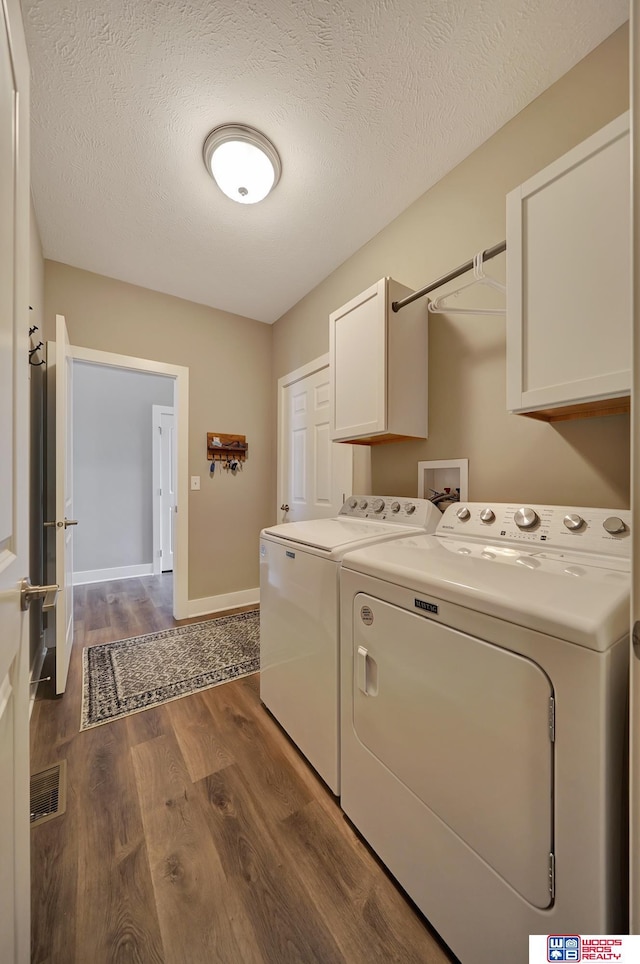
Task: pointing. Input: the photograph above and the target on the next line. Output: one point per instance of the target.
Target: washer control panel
(389, 508)
(603, 531)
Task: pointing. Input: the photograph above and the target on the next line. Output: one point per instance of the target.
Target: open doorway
(95, 558)
(113, 471)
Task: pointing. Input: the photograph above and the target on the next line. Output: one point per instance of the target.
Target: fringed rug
(131, 675)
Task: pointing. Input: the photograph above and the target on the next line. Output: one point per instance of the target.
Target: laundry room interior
(402, 490)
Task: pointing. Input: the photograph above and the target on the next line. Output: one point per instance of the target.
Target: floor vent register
(48, 797)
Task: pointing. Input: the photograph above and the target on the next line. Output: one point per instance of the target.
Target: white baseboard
(34, 676)
(214, 604)
(119, 572)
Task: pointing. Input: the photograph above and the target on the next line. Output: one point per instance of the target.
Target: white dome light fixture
(242, 162)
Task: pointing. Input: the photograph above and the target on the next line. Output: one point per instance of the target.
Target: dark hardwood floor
(196, 833)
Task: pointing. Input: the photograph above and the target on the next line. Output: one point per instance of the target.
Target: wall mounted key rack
(227, 449)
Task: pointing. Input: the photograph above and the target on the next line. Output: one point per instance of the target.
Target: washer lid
(330, 535)
(554, 593)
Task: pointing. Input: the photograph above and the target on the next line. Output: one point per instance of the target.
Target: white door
(634, 743)
(14, 486)
(164, 487)
(60, 402)
(315, 474)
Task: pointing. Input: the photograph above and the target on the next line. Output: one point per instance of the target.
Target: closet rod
(467, 266)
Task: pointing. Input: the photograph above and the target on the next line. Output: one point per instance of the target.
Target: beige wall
(229, 361)
(583, 462)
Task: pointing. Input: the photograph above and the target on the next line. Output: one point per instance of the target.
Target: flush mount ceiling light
(242, 162)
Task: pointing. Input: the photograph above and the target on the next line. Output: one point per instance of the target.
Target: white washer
(484, 700)
(299, 615)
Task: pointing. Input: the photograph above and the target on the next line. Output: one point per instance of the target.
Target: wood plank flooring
(195, 833)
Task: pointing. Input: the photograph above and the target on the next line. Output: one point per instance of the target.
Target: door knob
(284, 507)
(28, 593)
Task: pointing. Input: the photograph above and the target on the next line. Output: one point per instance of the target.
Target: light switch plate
(195, 483)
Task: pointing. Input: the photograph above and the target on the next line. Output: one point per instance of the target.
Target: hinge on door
(552, 876)
(159, 491)
(160, 429)
(552, 719)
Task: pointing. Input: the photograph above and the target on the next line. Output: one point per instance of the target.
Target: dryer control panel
(390, 508)
(597, 531)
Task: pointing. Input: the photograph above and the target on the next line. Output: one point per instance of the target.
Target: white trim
(229, 600)
(117, 572)
(156, 480)
(34, 676)
(181, 602)
(5, 694)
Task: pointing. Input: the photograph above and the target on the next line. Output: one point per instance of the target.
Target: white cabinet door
(568, 281)
(378, 367)
(14, 484)
(358, 350)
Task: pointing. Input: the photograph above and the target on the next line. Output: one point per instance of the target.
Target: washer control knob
(573, 521)
(378, 505)
(410, 508)
(395, 507)
(487, 515)
(526, 518)
(614, 525)
(352, 502)
(463, 513)
(363, 503)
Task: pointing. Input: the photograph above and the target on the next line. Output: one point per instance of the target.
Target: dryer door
(465, 726)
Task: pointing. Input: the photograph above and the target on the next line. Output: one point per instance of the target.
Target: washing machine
(484, 675)
(299, 615)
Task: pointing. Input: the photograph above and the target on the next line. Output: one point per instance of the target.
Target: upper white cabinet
(378, 366)
(569, 282)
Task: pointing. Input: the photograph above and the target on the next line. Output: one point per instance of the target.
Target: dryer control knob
(410, 508)
(487, 515)
(526, 518)
(463, 513)
(573, 521)
(363, 503)
(352, 502)
(614, 525)
(395, 507)
(378, 505)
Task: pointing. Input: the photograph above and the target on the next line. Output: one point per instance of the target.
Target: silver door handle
(28, 593)
(284, 507)
(67, 522)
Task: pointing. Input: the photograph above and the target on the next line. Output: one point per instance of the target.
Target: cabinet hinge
(160, 429)
(552, 719)
(552, 876)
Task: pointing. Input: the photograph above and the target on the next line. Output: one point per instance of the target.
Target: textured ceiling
(369, 103)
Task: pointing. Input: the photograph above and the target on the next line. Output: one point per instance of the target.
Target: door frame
(180, 374)
(157, 411)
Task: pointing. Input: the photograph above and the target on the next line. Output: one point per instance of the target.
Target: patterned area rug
(131, 675)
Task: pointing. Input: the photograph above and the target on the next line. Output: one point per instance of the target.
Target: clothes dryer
(484, 701)
(299, 615)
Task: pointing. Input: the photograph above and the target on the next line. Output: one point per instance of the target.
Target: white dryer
(299, 615)
(484, 702)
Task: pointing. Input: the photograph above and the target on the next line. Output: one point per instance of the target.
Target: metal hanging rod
(467, 266)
